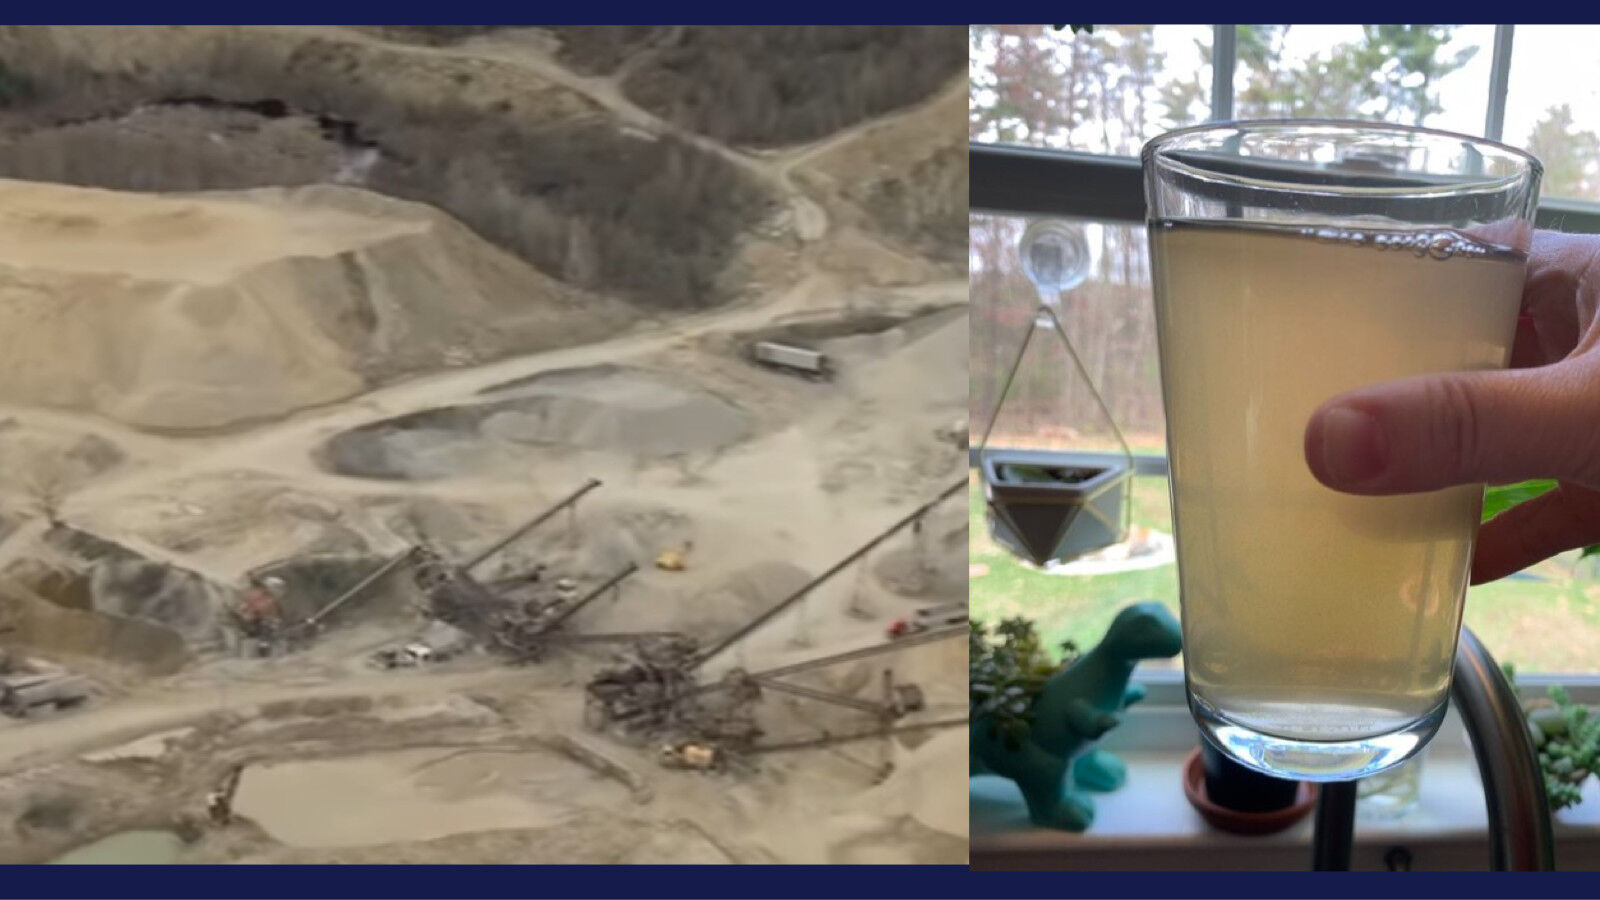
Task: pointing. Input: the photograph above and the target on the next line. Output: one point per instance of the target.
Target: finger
(1557, 296)
(1538, 529)
(1433, 431)
(1527, 349)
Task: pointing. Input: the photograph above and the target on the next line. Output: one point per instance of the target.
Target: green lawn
(1066, 607)
(1546, 619)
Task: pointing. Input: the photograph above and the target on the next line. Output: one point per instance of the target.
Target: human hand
(1538, 419)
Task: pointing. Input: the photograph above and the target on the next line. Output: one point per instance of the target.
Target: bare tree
(47, 480)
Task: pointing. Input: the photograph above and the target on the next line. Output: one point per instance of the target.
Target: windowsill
(1149, 824)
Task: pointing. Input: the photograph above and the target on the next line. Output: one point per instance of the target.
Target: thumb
(1433, 431)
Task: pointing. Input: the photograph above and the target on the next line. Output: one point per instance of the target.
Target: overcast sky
(1550, 64)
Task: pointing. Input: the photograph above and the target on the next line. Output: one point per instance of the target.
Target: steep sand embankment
(197, 311)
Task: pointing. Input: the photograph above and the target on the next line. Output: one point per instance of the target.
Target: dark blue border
(300, 12)
(633, 12)
(925, 882)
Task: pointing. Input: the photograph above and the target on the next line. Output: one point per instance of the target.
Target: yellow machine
(691, 755)
(674, 559)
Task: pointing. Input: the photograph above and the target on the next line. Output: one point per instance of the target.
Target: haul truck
(809, 363)
(20, 695)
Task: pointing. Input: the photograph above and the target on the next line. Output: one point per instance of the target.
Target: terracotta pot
(1233, 785)
(1194, 788)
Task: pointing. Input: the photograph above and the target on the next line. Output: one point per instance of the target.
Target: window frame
(1023, 181)
(1013, 180)
(1008, 179)
(1225, 53)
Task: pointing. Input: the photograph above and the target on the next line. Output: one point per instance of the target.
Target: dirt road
(27, 744)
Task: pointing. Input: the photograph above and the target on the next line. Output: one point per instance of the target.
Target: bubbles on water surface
(1440, 244)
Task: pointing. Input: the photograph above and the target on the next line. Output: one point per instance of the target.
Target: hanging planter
(1051, 506)
(1046, 506)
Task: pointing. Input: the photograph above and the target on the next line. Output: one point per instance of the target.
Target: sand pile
(921, 786)
(416, 795)
(603, 408)
(889, 443)
(616, 408)
(924, 361)
(124, 584)
(50, 611)
(200, 310)
(929, 564)
(42, 464)
(918, 815)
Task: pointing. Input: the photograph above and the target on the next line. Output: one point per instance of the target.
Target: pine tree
(1569, 156)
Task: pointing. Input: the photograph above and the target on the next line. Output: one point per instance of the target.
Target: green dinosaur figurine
(1074, 708)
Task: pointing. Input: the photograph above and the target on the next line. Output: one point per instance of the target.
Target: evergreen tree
(1569, 156)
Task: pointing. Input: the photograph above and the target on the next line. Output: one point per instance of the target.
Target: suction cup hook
(1035, 498)
(1055, 257)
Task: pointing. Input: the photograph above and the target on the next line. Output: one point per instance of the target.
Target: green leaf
(1006, 671)
(1499, 498)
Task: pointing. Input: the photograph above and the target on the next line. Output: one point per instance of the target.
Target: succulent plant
(1006, 671)
(1567, 737)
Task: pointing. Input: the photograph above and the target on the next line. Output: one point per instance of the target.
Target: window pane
(1546, 619)
(1111, 323)
(1553, 105)
(1434, 75)
(1103, 92)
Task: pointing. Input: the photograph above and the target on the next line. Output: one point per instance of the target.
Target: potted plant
(1236, 798)
(1567, 736)
(1038, 723)
(1007, 671)
(1048, 505)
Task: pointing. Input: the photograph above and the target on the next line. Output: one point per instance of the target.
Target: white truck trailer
(799, 360)
(21, 694)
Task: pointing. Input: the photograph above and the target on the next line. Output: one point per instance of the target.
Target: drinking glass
(1292, 261)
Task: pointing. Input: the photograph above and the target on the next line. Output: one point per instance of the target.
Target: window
(1087, 99)
(1553, 106)
(1106, 91)
(1041, 150)
(1111, 323)
(1109, 320)
(1431, 75)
